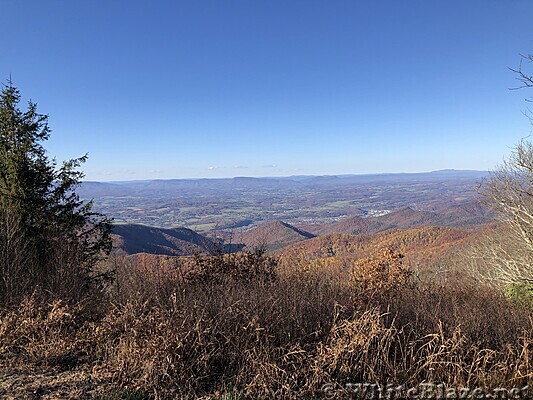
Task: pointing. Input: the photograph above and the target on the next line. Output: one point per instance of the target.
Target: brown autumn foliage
(428, 241)
(429, 252)
(380, 274)
(248, 328)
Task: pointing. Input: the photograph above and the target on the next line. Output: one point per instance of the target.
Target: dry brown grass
(266, 335)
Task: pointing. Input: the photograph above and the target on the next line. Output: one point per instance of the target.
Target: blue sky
(171, 89)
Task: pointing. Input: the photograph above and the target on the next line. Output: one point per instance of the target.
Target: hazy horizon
(447, 170)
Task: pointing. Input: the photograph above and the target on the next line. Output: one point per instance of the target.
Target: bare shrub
(242, 266)
(509, 191)
(508, 258)
(43, 334)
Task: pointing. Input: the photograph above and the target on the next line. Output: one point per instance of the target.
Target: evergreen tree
(49, 238)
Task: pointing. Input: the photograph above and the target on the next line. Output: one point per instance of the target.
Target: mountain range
(461, 215)
(163, 186)
(276, 235)
(207, 205)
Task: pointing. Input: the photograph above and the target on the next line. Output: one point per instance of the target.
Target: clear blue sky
(170, 89)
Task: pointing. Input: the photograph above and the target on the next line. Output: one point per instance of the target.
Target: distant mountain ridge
(92, 188)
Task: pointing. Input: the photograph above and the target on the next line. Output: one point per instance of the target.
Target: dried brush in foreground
(166, 337)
